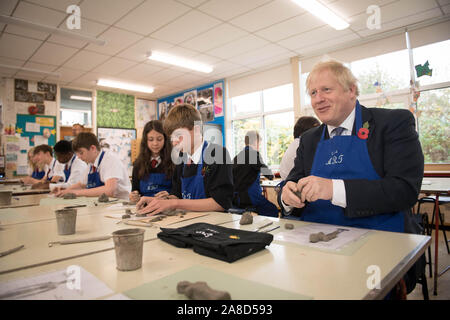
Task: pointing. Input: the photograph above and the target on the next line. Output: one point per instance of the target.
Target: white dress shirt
(287, 162)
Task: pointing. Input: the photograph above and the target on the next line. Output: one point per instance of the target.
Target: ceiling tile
(214, 38)
(89, 78)
(192, 3)
(332, 44)
(164, 75)
(40, 66)
(86, 60)
(226, 10)
(12, 46)
(237, 47)
(152, 15)
(187, 80)
(176, 31)
(117, 40)
(50, 53)
(26, 32)
(262, 53)
(312, 37)
(60, 5)
(7, 6)
(267, 15)
(66, 75)
(290, 27)
(272, 61)
(87, 28)
(138, 52)
(141, 71)
(38, 14)
(107, 11)
(114, 66)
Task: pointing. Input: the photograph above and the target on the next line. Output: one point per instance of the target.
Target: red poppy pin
(363, 133)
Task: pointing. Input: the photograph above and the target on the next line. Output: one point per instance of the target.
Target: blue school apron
(69, 168)
(94, 176)
(156, 182)
(38, 174)
(192, 187)
(347, 157)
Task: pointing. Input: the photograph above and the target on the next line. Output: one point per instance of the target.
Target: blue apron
(38, 174)
(156, 182)
(69, 168)
(347, 157)
(263, 206)
(192, 187)
(94, 177)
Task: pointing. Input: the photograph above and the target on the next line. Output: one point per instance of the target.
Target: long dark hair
(143, 161)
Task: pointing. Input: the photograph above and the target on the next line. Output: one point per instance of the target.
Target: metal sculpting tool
(50, 244)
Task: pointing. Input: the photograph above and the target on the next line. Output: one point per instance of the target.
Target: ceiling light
(49, 29)
(124, 85)
(53, 74)
(83, 98)
(180, 62)
(323, 13)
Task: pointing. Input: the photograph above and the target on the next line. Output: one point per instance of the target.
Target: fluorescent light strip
(54, 74)
(323, 13)
(180, 62)
(124, 85)
(49, 29)
(82, 98)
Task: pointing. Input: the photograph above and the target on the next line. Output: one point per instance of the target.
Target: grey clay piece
(201, 291)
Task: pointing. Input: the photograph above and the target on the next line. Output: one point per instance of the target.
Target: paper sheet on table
(69, 284)
(300, 235)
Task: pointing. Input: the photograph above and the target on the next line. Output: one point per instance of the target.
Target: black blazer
(396, 155)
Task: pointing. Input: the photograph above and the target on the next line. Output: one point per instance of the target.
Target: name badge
(335, 158)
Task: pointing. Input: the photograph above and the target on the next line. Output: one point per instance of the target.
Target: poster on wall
(162, 110)
(218, 99)
(119, 142)
(178, 100)
(205, 104)
(191, 97)
(145, 112)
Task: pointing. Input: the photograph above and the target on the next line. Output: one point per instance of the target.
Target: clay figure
(103, 198)
(70, 196)
(289, 226)
(201, 291)
(247, 218)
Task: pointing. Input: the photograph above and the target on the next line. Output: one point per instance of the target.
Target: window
(437, 56)
(271, 113)
(76, 107)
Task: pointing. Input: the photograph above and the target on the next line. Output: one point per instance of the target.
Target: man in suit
(361, 168)
(366, 175)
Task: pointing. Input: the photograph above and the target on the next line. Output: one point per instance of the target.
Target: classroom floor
(443, 281)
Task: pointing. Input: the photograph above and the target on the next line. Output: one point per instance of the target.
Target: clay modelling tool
(263, 226)
(316, 237)
(5, 253)
(50, 244)
(75, 206)
(138, 223)
(271, 229)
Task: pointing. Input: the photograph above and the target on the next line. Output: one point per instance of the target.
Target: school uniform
(156, 181)
(205, 174)
(36, 173)
(107, 166)
(247, 169)
(75, 171)
(54, 169)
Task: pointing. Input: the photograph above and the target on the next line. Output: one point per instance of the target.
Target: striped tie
(337, 131)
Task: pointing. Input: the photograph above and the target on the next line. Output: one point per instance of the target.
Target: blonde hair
(183, 115)
(343, 74)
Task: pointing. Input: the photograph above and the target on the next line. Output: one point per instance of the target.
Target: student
(153, 168)
(75, 169)
(287, 162)
(247, 168)
(107, 174)
(203, 178)
(35, 172)
(43, 155)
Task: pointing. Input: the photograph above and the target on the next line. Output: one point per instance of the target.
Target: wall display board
(208, 99)
(118, 141)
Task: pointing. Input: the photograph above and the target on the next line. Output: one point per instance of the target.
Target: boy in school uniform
(106, 173)
(43, 155)
(203, 178)
(75, 169)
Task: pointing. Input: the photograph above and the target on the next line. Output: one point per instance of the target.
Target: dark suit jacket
(396, 155)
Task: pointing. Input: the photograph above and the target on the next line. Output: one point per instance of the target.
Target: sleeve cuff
(339, 195)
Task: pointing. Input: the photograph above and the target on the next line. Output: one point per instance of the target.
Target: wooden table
(436, 186)
(286, 266)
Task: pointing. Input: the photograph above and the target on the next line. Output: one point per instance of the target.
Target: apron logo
(186, 195)
(335, 158)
